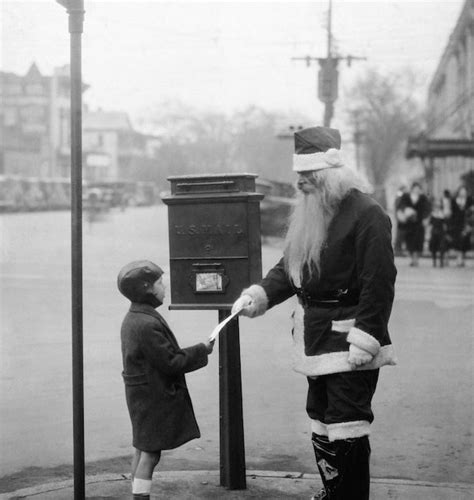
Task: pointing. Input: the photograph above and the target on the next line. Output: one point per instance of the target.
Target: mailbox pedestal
(215, 252)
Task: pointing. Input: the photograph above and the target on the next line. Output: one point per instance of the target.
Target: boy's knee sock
(141, 487)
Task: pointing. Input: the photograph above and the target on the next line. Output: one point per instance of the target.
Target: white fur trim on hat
(347, 430)
(363, 340)
(317, 161)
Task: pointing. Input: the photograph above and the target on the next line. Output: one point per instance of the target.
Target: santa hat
(317, 148)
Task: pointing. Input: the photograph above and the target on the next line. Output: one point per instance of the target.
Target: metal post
(231, 426)
(329, 105)
(75, 9)
(328, 113)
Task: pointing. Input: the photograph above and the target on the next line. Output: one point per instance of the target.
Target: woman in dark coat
(154, 365)
(460, 229)
(415, 209)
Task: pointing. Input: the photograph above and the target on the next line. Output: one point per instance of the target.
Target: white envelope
(221, 325)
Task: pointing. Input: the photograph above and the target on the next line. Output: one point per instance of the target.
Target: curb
(60, 485)
(105, 478)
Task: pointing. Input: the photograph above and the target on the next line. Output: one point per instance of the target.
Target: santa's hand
(244, 304)
(358, 357)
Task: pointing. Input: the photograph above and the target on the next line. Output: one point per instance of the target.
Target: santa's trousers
(339, 406)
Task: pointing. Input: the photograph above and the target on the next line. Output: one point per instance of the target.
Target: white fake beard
(306, 235)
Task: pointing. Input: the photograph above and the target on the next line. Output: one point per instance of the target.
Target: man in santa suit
(338, 260)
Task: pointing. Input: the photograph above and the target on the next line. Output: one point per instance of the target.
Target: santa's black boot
(354, 459)
(325, 460)
(344, 467)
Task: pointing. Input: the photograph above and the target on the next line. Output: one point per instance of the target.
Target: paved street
(423, 407)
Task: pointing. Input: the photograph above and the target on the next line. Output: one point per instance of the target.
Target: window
(34, 89)
(10, 117)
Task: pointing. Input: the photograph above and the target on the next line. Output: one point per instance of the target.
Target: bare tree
(385, 112)
(257, 147)
(195, 141)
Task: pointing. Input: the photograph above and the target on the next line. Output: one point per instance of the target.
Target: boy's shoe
(320, 496)
(136, 496)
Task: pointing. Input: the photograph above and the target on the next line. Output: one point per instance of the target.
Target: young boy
(153, 371)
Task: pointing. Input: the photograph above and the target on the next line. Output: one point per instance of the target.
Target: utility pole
(358, 137)
(328, 74)
(75, 10)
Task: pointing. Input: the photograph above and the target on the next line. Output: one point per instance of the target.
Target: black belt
(329, 298)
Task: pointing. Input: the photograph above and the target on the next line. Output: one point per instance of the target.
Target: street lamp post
(75, 10)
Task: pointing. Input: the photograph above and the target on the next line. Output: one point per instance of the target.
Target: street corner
(180, 485)
(265, 485)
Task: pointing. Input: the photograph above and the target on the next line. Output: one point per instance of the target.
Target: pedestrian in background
(446, 201)
(154, 365)
(400, 219)
(460, 227)
(416, 210)
(438, 223)
(338, 260)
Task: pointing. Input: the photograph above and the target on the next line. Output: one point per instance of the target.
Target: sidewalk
(268, 485)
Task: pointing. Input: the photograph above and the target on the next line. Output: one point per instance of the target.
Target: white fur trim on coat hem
(363, 340)
(347, 430)
(337, 362)
(319, 428)
(259, 299)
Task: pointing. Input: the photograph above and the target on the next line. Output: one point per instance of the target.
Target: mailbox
(214, 238)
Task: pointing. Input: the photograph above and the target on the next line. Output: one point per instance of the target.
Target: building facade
(35, 136)
(34, 123)
(446, 147)
(113, 150)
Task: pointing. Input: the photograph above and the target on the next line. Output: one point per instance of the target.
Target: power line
(328, 74)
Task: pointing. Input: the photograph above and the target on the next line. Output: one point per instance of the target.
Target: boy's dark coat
(158, 401)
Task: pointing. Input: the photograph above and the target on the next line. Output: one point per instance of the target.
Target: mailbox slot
(206, 187)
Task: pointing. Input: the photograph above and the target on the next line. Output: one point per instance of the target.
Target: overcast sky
(223, 55)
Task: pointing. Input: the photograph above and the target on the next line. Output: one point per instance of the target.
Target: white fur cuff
(347, 430)
(343, 325)
(319, 428)
(363, 340)
(259, 299)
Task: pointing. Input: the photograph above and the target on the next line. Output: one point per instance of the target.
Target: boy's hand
(209, 346)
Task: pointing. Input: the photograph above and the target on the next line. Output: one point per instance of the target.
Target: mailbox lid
(212, 183)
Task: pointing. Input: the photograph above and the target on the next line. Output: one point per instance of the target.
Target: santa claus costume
(338, 260)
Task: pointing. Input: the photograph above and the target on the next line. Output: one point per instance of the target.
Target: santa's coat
(358, 257)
